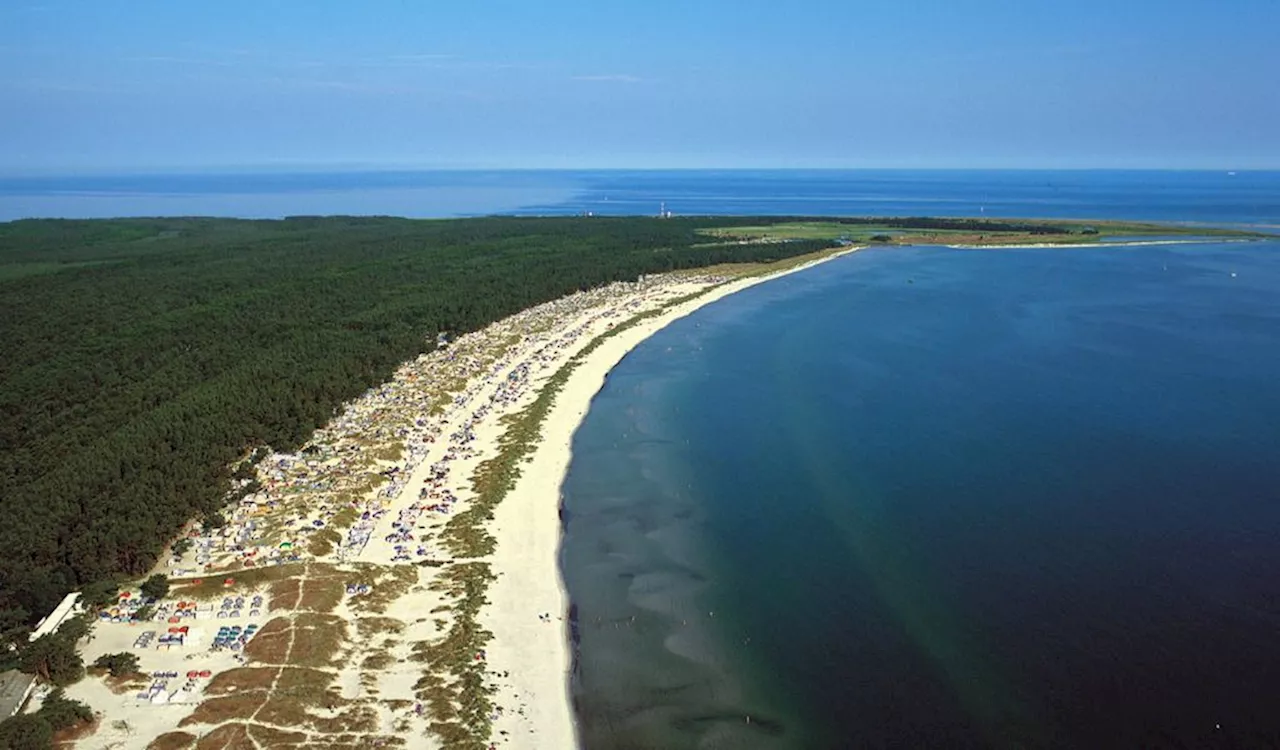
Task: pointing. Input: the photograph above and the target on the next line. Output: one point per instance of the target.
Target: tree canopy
(156, 587)
(142, 357)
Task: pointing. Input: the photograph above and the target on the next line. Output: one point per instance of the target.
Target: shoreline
(529, 536)
(396, 533)
(1069, 246)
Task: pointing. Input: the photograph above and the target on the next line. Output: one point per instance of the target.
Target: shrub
(118, 665)
(25, 732)
(156, 587)
(61, 712)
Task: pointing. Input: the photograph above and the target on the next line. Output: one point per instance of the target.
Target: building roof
(14, 689)
(55, 619)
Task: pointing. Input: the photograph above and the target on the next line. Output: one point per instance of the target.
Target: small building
(59, 615)
(15, 688)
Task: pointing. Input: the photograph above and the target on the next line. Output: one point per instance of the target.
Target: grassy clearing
(377, 661)
(224, 709)
(797, 230)
(241, 680)
(214, 586)
(302, 682)
(286, 594)
(322, 542)
(318, 642)
(344, 518)
(368, 627)
(996, 232)
(273, 737)
(229, 737)
(321, 594)
(173, 741)
(271, 644)
(387, 584)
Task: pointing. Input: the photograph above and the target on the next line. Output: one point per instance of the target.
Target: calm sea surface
(941, 498)
(1222, 197)
(913, 497)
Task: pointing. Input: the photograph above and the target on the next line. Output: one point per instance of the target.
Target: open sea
(1248, 198)
(910, 498)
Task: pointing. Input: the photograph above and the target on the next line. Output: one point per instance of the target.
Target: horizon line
(302, 168)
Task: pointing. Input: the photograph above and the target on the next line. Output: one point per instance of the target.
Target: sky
(155, 85)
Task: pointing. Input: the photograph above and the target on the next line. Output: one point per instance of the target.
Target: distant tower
(662, 210)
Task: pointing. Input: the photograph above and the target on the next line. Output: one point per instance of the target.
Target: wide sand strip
(534, 652)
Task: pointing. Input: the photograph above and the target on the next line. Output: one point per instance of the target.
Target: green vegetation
(63, 713)
(53, 657)
(917, 230)
(100, 594)
(156, 587)
(118, 665)
(147, 357)
(26, 732)
(36, 731)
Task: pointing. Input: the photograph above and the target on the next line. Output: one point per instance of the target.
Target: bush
(61, 712)
(156, 587)
(53, 658)
(26, 732)
(118, 665)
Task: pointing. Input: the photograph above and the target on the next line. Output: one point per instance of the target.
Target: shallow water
(941, 498)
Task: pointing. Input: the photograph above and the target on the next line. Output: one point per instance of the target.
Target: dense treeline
(142, 356)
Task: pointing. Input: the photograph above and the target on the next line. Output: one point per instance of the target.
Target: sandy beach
(527, 526)
(422, 601)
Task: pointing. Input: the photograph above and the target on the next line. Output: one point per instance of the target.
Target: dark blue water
(1245, 198)
(941, 498)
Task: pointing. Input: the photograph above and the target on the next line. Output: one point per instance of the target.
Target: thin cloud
(420, 57)
(442, 62)
(178, 60)
(61, 87)
(351, 87)
(611, 78)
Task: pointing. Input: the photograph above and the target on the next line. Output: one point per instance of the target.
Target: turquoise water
(941, 498)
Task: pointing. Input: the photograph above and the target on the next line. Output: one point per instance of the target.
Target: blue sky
(147, 85)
